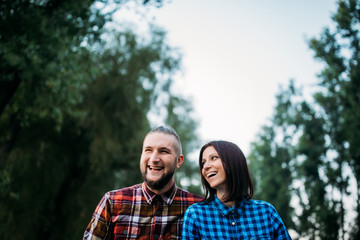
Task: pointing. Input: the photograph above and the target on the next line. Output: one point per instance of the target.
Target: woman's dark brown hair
(238, 180)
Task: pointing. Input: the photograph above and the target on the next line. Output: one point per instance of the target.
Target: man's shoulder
(188, 196)
(126, 191)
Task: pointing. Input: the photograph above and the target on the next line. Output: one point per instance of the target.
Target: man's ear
(180, 160)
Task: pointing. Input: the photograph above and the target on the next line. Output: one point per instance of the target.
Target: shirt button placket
(158, 215)
(233, 231)
(232, 220)
(234, 226)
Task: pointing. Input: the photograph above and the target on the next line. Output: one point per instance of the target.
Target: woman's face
(213, 170)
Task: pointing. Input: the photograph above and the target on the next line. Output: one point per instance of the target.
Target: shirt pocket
(126, 232)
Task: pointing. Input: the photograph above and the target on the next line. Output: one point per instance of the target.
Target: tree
(41, 83)
(179, 116)
(271, 160)
(39, 44)
(339, 49)
(320, 216)
(39, 36)
(289, 162)
(64, 172)
(73, 128)
(44, 50)
(324, 134)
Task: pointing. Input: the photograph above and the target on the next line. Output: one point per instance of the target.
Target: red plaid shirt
(137, 213)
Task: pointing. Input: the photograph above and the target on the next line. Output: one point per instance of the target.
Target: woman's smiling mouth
(211, 174)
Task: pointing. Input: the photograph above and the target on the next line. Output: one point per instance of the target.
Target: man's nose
(154, 157)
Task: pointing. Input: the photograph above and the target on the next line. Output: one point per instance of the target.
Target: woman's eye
(214, 157)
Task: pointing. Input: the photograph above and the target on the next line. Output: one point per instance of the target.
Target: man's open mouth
(156, 168)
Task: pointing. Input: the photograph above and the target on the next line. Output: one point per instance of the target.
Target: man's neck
(166, 188)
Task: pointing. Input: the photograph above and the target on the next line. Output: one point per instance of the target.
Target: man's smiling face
(159, 160)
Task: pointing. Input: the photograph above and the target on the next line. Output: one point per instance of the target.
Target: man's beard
(158, 185)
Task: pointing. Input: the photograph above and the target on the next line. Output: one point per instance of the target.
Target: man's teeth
(155, 167)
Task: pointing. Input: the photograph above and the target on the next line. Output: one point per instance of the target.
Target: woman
(227, 211)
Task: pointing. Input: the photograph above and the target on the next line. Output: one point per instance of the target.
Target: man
(153, 209)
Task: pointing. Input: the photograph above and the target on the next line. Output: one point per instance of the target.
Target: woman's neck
(230, 204)
(220, 196)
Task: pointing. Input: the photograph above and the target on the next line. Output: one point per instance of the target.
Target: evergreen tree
(324, 134)
(339, 50)
(271, 160)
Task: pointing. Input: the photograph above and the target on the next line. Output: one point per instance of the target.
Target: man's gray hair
(170, 131)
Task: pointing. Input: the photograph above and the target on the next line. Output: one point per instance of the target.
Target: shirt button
(156, 236)
(125, 232)
(158, 212)
(233, 223)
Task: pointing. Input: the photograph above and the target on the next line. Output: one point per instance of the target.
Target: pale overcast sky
(236, 53)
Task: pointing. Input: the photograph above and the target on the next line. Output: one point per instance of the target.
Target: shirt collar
(167, 197)
(225, 210)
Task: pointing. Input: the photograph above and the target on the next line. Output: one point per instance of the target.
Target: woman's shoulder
(260, 204)
(200, 206)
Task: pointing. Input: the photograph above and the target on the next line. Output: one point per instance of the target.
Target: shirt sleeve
(189, 230)
(280, 231)
(99, 226)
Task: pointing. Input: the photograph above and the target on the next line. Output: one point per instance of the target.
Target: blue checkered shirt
(251, 219)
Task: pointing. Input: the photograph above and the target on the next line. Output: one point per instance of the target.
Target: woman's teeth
(211, 174)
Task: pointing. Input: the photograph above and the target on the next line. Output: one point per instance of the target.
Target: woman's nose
(206, 165)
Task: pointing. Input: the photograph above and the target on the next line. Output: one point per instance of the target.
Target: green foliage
(312, 148)
(179, 116)
(339, 50)
(270, 161)
(44, 70)
(74, 113)
(47, 169)
(40, 50)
